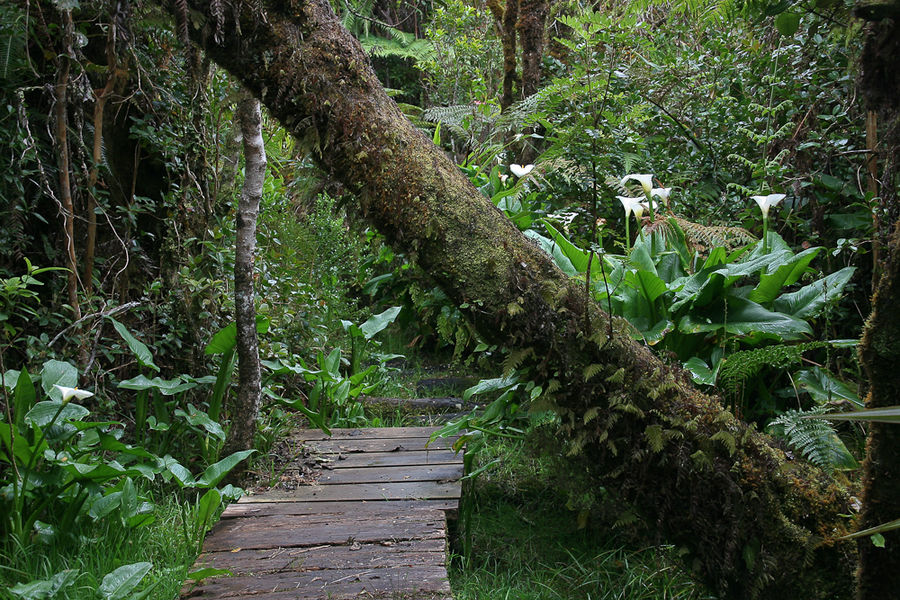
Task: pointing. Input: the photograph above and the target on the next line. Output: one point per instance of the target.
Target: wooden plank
(350, 446)
(413, 490)
(401, 474)
(382, 433)
(291, 531)
(386, 459)
(253, 506)
(383, 555)
(334, 584)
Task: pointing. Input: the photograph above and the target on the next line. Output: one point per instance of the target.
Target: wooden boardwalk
(374, 526)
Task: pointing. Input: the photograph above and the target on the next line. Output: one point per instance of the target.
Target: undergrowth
(517, 540)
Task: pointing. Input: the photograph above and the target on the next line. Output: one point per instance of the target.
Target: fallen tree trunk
(756, 523)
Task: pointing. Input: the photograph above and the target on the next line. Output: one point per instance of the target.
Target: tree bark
(756, 524)
(245, 408)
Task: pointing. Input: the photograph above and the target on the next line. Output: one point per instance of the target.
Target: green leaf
(824, 387)
(43, 413)
(138, 347)
(46, 588)
(166, 387)
(23, 398)
(889, 414)
(56, 372)
(198, 418)
(206, 510)
(215, 472)
(378, 322)
(785, 274)
(744, 317)
(577, 256)
(547, 245)
(808, 301)
(700, 371)
(226, 338)
(121, 582)
(787, 23)
(490, 385)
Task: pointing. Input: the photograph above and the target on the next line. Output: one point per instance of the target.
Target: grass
(517, 540)
(96, 549)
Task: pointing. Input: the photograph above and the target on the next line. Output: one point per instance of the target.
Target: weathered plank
(353, 445)
(253, 506)
(372, 433)
(445, 473)
(386, 459)
(292, 532)
(383, 555)
(333, 584)
(414, 490)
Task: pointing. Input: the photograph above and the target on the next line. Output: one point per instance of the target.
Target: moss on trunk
(756, 523)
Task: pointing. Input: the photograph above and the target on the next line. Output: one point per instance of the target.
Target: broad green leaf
(700, 371)
(378, 322)
(45, 588)
(166, 387)
(648, 284)
(553, 249)
(824, 387)
(56, 372)
(198, 418)
(774, 280)
(44, 412)
(23, 398)
(743, 317)
(577, 256)
(808, 301)
(215, 472)
(121, 582)
(105, 505)
(10, 378)
(138, 347)
(226, 338)
(206, 509)
(490, 385)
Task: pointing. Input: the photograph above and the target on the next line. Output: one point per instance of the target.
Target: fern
(400, 45)
(816, 439)
(741, 366)
(715, 235)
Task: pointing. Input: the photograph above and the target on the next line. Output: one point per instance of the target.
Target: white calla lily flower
(628, 204)
(519, 170)
(645, 179)
(662, 194)
(767, 202)
(68, 393)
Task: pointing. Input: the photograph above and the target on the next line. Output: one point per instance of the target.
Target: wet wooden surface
(373, 526)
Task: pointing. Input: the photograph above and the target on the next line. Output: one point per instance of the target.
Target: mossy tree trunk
(879, 571)
(756, 524)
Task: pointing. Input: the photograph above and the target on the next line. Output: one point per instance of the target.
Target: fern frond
(741, 366)
(816, 439)
(715, 235)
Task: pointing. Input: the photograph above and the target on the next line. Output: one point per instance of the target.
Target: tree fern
(815, 439)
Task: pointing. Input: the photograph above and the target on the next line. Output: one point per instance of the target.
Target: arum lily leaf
(121, 582)
(43, 413)
(808, 301)
(377, 323)
(744, 317)
(139, 348)
(547, 245)
(783, 275)
(215, 472)
(700, 371)
(226, 338)
(57, 372)
(824, 387)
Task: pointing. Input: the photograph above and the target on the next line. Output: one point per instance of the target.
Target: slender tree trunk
(532, 20)
(756, 523)
(245, 408)
(65, 187)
